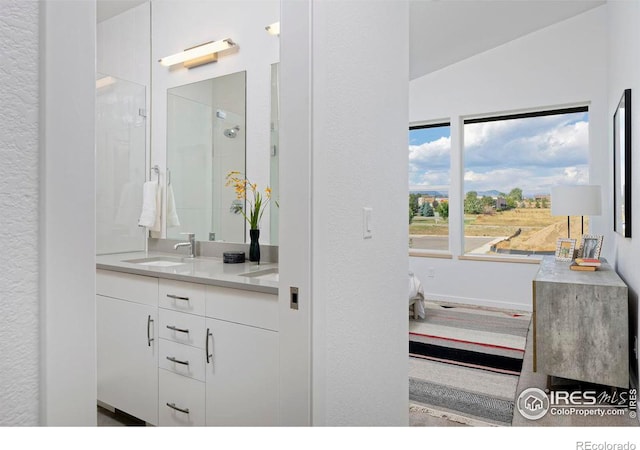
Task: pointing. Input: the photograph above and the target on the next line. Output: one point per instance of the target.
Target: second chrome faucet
(191, 243)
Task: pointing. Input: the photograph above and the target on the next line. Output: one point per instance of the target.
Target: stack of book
(586, 264)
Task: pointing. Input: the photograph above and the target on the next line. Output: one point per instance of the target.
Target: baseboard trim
(483, 303)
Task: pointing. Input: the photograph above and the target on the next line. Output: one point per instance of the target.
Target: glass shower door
(120, 164)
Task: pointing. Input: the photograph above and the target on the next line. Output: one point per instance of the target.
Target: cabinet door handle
(181, 330)
(173, 406)
(177, 297)
(149, 338)
(209, 355)
(177, 361)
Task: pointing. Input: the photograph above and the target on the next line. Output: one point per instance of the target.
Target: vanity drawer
(182, 327)
(124, 286)
(184, 393)
(182, 296)
(191, 360)
(246, 307)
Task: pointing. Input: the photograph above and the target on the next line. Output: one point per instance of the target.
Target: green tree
(472, 204)
(411, 214)
(516, 194)
(514, 198)
(544, 203)
(426, 210)
(443, 210)
(413, 203)
(488, 201)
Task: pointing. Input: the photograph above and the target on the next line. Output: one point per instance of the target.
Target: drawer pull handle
(172, 359)
(181, 330)
(209, 355)
(177, 297)
(149, 338)
(173, 406)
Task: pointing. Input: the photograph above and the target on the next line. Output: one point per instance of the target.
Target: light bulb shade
(579, 200)
(200, 51)
(273, 29)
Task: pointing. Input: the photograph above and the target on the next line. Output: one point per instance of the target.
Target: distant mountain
(432, 193)
(491, 193)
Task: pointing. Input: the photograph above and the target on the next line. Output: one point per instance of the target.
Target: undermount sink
(265, 274)
(158, 261)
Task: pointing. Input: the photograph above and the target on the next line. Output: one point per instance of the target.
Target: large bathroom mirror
(206, 130)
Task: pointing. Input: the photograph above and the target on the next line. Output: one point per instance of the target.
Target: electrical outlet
(431, 272)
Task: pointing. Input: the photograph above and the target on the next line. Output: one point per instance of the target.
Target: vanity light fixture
(104, 82)
(273, 29)
(198, 55)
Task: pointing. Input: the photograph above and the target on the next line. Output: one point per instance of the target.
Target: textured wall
(19, 212)
(360, 117)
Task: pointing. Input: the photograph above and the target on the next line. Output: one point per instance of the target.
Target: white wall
(67, 213)
(563, 64)
(177, 25)
(19, 390)
(624, 73)
(359, 137)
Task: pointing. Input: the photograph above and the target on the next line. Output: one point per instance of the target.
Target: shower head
(232, 132)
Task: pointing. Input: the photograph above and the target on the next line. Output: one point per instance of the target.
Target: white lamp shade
(580, 200)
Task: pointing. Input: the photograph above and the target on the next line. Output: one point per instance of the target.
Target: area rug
(465, 363)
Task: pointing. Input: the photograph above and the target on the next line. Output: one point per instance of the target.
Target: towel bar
(156, 169)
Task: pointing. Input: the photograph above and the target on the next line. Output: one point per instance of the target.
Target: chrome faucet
(191, 244)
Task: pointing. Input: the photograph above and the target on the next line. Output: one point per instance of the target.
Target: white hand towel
(172, 214)
(149, 212)
(157, 226)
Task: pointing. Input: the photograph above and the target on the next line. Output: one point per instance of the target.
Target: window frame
(433, 253)
(523, 258)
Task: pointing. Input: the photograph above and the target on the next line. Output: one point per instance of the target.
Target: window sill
(430, 253)
(536, 259)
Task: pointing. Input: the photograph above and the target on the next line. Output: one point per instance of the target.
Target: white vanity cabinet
(242, 363)
(242, 375)
(127, 353)
(182, 354)
(211, 356)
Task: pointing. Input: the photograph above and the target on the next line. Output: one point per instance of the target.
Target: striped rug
(465, 363)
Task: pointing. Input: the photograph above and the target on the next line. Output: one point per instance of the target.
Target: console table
(581, 328)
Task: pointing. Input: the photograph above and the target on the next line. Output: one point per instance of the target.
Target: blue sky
(533, 154)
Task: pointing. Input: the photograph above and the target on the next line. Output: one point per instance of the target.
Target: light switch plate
(367, 227)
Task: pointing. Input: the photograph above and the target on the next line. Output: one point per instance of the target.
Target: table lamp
(577, 200)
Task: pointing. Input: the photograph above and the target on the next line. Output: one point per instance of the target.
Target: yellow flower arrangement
(256, 204)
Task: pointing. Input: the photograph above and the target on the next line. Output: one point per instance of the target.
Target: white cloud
(431, 154)
(533, 154)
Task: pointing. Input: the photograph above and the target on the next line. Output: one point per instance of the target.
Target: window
(510, 165)
(429, 179)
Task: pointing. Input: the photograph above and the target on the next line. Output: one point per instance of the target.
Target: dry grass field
(539, 229)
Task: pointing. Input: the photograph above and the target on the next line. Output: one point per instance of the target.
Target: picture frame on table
(590, 246)
(565, 249)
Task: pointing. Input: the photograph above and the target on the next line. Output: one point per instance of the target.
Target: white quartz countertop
(203, 270)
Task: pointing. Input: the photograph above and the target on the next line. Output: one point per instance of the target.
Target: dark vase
(254, 247)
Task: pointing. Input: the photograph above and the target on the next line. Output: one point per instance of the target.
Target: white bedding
(416, 295)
